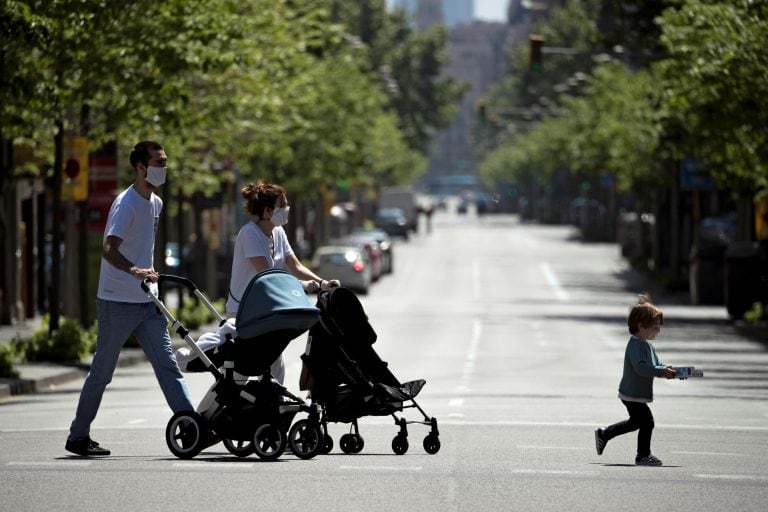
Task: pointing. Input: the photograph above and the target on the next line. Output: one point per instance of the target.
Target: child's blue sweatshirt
(641, 365)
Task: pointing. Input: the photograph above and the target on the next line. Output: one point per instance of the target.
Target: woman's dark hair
(644, 314)
(141, 152)
(260, 196)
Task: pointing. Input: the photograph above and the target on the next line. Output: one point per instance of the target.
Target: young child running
(641, 365)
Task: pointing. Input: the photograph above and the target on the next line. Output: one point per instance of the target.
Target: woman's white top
(252, 242)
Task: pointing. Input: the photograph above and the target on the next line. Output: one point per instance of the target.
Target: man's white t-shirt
(134, 220)
(251, 242)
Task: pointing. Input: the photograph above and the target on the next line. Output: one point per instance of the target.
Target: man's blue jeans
(117, 321)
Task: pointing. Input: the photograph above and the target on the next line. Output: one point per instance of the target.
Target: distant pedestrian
(641, 366)
(122, 306)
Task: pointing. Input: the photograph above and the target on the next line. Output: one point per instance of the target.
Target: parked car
(385, 246)
(392, 221)
(370, 246)
(349, 264)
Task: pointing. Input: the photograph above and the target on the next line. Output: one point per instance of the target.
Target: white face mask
(156, 175)
(280, 216)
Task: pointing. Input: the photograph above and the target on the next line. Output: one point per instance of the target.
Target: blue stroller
(249, 415)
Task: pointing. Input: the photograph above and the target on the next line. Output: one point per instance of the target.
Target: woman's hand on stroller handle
(327, 285)
(313, 286)
(310, 286)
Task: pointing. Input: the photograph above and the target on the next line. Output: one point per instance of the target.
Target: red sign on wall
(103, 186)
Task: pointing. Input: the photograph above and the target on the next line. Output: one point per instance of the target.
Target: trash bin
(746, 276)
(706, 269)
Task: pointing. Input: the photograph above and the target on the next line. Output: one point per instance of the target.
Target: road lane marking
(553, 283)
(476, 288)
(558, 448)
(569, 424)
(469, 363)
(203, 464)
(382, 468)
(73, 463)
(554, 472)
(727, 454)
(731, 477)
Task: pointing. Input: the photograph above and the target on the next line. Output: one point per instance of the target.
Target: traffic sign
(74, 185)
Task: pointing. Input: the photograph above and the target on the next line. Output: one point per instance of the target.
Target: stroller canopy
(343, 316)
(274, 301)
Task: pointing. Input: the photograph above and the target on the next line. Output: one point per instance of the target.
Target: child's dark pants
(640, 417)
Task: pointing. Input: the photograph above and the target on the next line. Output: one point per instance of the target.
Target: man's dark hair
(141, 151)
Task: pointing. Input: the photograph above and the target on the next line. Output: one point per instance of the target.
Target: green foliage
(71, 342)
(716, 87)
(7, 359)
(282, 90)
(408, 65)
(758, 313)
(195, 314)
(707, 98)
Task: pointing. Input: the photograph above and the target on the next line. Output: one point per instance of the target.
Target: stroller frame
(385, 396)
(247, 415)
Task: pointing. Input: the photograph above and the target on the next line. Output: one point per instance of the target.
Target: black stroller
(248, 415)
(348, 380)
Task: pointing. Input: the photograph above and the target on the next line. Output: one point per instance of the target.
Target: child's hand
(669, 372)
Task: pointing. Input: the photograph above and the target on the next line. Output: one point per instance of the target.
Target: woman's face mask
(156, 175)
(280, 216)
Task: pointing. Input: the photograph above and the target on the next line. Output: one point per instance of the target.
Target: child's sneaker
(600, 441)
(648, 460)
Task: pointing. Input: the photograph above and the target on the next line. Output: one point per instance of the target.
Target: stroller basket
(274, 301)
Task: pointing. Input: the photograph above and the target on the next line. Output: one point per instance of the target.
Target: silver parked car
(349, 264)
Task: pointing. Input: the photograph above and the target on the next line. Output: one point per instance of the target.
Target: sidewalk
(35, 377)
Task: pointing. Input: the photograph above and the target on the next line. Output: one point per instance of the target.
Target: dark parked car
(392, 221)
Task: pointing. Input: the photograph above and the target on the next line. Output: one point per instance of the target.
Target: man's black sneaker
(86, 447)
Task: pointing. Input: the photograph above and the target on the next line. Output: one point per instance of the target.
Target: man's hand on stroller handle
(144, 274)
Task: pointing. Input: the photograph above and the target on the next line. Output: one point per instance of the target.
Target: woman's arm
(300, 271)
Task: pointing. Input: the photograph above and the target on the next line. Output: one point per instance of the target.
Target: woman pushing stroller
(262, 244)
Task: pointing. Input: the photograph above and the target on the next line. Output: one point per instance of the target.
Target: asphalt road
(519, 330)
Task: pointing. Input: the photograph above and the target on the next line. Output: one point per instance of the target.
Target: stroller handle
(163, 278)
(185, 282)
(176, 279)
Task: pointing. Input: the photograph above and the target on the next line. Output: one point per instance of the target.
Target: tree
(716, 88)
(409, 66)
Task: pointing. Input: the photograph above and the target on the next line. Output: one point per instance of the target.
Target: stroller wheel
(431, 444)
(268, 442)
(348, 443)
(327, 445)
(238, 447)
(184, 434)
(399, 444)
(360, 442)
(304, 439)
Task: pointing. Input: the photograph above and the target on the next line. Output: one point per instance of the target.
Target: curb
(37, 377)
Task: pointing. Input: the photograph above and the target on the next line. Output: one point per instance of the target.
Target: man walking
(123, 308)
